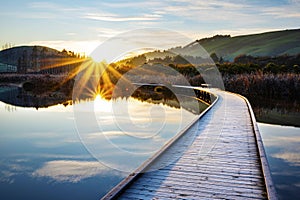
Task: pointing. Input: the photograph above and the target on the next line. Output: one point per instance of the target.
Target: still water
(48, 154)
(82, 151)
(282, 145)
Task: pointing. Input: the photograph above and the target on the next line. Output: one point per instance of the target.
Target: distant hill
(11, 55)
(36, 58)
(264, 44)
(270, 44)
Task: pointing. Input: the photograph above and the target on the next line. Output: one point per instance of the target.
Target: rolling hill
(36, 58)
(263, 44)
(11, 55)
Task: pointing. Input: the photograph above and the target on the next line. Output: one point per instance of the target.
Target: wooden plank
(197, 184)
(196, 192)
(203, 177)
(233, 174)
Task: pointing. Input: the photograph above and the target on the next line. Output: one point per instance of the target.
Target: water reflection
(283, 112)
(70, 170)
(37, 178)
(41, 151)
(192, 100)
(19, 97)
(282, 144)
(131, 132)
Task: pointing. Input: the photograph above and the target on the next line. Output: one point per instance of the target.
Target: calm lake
(282, 145)
(48, 154)
(52, 153)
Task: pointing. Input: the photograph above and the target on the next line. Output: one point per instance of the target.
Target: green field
(263, 44)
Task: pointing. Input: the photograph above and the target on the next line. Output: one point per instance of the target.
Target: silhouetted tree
(34, 59)
(7, 46)
(22, 63)
(43, 58)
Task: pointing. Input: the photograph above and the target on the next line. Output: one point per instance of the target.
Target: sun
(102, 105)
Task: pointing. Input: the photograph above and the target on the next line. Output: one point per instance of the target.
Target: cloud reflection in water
(70, 171)
(286, 141)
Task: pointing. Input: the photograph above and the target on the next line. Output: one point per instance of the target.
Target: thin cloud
(213, 4)
(234, 10)
(71, 34)
(51, 6)
(117, 18)
(283, 12)
(215, 11)
(107, 32)
(136, 4)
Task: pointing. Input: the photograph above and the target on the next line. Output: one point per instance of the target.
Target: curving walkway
(217, 158)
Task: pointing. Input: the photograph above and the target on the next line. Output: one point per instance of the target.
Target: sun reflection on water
(102, 105)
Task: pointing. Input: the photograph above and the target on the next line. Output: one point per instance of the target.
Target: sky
(81, 26)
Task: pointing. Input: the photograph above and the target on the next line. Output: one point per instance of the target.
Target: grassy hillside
(264, 44)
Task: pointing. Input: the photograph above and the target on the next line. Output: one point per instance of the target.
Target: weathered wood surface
(219, 157)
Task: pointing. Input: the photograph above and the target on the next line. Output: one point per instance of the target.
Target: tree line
(276, 77)
(41, 60)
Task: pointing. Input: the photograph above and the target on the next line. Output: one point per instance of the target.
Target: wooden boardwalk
(220, 156)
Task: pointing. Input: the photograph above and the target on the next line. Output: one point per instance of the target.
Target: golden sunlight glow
(134, 53)
(95, 79)
(102, 105)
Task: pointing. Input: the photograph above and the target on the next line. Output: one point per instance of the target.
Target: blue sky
(82, 25)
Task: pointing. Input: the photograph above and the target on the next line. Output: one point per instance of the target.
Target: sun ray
(59, 62)
(89, 80)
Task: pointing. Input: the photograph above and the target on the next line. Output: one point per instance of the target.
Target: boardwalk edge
(270, 187)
